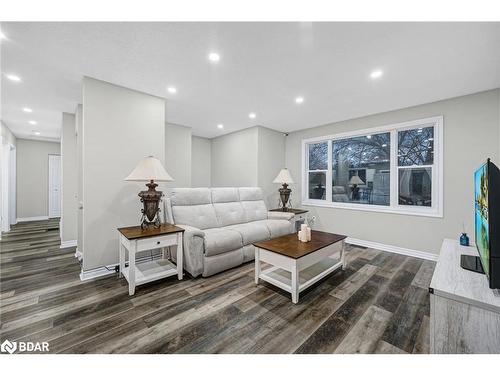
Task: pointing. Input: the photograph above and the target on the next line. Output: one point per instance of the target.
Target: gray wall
(69, 176)
(471, 134)
(234, 159)
(120, 127)
(201, 149)
(250, 157)
(32, 176)
(271, 159)
(178, 154)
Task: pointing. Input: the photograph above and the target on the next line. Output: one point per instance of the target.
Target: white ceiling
(263, 67)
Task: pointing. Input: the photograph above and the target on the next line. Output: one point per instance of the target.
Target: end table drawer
(157, 242)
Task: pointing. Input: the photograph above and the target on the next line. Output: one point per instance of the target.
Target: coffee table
(298, 265)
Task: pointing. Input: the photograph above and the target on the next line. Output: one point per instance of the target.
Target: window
(317, 170)
(396, 168)
(415, 163)
(358, 169)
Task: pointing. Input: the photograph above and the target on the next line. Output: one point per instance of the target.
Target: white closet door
(54, 185)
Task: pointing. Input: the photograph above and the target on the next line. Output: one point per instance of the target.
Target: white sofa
(221, 224)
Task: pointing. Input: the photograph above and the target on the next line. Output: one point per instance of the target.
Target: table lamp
(150, 169)
(355, 181)
(285, 178)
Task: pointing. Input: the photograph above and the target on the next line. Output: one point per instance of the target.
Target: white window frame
(436, 210)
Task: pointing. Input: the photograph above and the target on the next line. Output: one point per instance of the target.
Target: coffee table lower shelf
(297, 274)
(283, 279)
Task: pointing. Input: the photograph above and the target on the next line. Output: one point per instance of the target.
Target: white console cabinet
(465, 312)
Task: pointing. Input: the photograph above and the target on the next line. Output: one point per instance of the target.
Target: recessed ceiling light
(32, 122)
(27, 110)
(376, 74)
(214, 56)
(299, 100)
(220, 126)
(13, 77)
(172, 90)
(36, 133)
(252, 115)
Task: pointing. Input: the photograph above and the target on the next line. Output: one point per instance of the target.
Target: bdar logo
(9, 347)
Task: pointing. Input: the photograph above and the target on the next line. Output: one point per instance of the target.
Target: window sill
(414, 211)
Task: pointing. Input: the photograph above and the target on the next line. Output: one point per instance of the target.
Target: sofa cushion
(277, 227)
(229, 213)
(250, 194)
(190, 196)
(251, 232)
(254, 210)
(221, 262)
(200, 216)
(224, 195)
(221, 240)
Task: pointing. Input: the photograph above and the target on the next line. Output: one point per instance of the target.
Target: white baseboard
(32, 218)
(78, 255)
(66, 244)
(98, 272)
(393, 249)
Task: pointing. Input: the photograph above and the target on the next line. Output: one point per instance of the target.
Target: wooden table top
(136, 232)
(290, 246)
(296, 211)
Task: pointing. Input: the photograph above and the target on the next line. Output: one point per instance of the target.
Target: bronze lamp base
(151, 200)
(284, 196)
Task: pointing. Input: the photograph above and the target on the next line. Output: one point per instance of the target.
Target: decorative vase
(464, 239)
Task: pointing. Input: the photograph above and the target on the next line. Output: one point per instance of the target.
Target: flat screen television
(487, 223)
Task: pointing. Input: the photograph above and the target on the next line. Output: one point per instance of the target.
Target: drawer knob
(158, 243)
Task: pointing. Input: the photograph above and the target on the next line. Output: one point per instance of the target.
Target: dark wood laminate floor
(379, 304)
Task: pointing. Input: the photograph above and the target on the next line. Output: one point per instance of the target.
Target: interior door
(54, 185)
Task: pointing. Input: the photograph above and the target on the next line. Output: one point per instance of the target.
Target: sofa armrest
(193, 249)
(277, 215)
(191, 231)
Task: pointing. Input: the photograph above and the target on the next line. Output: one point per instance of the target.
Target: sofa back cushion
(193, 206)
(206, 208)
(227, 205)
(252, 201)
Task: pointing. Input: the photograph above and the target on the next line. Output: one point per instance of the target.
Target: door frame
(13, 186)
(49, 211)
(4, 186)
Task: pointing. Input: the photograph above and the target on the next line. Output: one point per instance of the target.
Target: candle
(308, 232)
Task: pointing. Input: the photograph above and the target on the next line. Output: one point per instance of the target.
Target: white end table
(136, 240)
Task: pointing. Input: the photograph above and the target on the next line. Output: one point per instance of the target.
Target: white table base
(141, 273)
(295, 275)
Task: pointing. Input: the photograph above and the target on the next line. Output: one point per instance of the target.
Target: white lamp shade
(148, 169)
(355, 180)
(284, 177)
